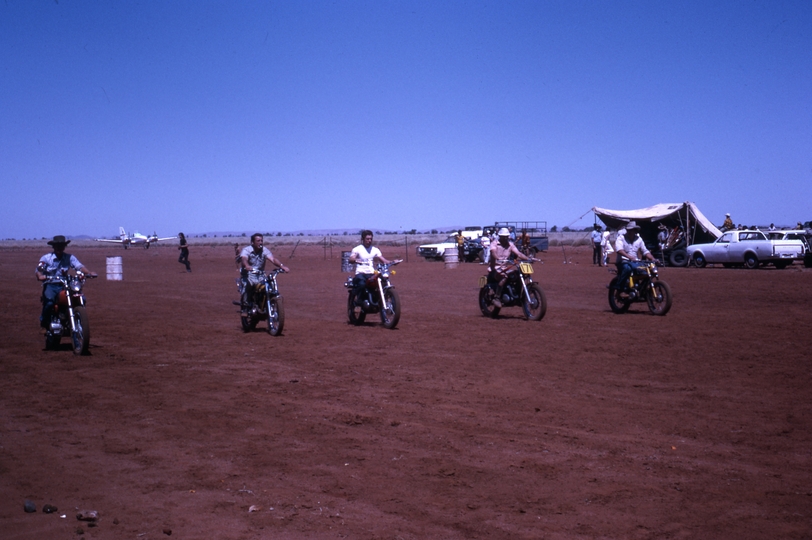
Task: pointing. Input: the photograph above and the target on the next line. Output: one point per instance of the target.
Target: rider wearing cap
(502, 253)
(51, 266)
(629, 246)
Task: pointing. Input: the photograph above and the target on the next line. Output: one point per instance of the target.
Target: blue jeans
(624, 270)
(359, 283)
(49, 293)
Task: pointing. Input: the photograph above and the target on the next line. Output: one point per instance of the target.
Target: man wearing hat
(630, 248)
(500, 261)
(597, 237)
(50, 267)
(728, 224)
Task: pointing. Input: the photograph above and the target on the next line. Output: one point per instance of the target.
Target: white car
(437, 251)
(790, 234)
(750, 248)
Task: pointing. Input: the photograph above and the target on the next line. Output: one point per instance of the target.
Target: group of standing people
(601, 246)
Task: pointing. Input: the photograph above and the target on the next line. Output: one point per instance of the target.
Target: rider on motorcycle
(500, 262)
(629, 246)
(252, 258)
(50, 267)
(364, 256)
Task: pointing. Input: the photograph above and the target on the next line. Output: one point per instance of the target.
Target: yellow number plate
(526, 268)
(482, 281)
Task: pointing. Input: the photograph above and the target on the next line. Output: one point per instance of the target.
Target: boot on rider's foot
(497, 297)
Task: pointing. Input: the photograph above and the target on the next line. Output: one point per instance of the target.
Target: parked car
(472, 249)
(750, 248)
(804, 236)
(791, 234)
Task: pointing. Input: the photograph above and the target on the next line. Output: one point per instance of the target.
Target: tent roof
(671, 214)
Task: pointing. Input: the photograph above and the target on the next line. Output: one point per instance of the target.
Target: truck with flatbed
(536, 231)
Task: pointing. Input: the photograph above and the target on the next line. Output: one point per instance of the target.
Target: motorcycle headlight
(385, 275)
(75, 286)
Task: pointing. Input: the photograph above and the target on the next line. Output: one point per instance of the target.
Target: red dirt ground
(583, 425)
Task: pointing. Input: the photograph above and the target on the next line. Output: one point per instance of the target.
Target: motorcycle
(378, 296)
(266, 303)
(644, 285)
(519, 290)
(69, 316)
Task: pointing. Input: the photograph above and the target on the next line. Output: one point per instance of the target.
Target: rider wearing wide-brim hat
(500, 259)
(50, 267)
(630, 250)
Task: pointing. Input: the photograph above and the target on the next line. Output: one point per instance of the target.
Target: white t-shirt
(365, 260)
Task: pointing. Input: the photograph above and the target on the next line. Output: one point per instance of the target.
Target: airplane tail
(122, 234)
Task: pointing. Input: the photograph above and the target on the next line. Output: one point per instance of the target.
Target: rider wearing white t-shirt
(364, 256)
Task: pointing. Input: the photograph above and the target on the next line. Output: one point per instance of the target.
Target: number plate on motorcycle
(526, 268)
(482, 281)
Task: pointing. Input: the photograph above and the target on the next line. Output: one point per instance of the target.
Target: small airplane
(134, 239)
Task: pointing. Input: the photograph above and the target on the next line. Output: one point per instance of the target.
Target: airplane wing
(107, 240)
(167, 238)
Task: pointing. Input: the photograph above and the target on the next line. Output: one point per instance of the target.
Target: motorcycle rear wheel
(536, 306)
(80, 338)
(619, 301)
(276, 315)
(391, 316)
(661, 303)
(486, 296)
(355, 314)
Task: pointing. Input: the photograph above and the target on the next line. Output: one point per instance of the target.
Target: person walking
(606, 247)
(485, 241)
(183, 258)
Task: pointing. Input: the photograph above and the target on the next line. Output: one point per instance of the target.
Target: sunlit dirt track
(586, 424)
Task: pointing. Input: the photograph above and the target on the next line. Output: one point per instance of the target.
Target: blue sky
(205, 116)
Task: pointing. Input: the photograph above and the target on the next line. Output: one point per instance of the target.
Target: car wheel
(751, 261)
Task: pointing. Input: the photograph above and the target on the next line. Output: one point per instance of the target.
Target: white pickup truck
(750, 248)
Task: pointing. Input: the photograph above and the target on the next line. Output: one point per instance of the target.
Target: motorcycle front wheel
(659, 298)
(355, 314)
(80, 337)
(52, 340)
(536, 305)
(276, 315)
(619, 301)
(248, 323)
(391, 315)
(486, 296)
